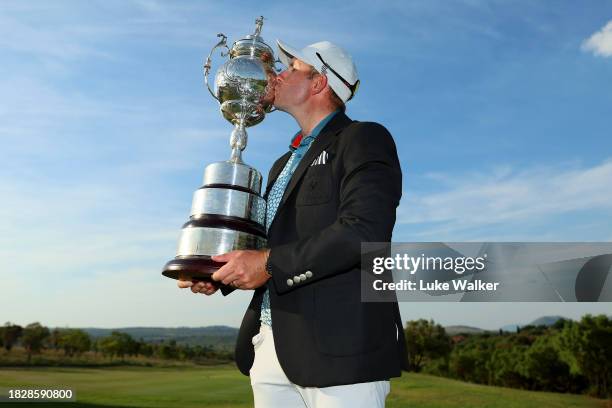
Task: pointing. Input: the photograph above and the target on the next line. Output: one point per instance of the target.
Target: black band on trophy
(232, 187)
(230, 223)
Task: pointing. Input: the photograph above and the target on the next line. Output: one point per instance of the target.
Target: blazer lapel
(327, 135)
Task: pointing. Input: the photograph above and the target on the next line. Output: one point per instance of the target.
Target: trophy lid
(253, 45)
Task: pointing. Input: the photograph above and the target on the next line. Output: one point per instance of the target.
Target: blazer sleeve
(370, 191)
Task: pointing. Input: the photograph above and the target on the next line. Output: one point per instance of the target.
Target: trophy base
(194, 268)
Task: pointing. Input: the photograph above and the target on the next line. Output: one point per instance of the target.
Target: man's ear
(319, 83)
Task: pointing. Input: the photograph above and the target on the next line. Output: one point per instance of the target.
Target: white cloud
(600, 43)
(506, 198)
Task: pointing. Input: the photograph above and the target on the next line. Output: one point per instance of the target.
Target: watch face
(268, 269)
(268, 266)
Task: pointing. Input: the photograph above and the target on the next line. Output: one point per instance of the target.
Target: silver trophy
(228, 211)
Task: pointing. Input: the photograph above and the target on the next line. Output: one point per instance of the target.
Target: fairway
(224, 386)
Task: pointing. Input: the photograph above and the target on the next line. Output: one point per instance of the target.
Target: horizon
(523, 324)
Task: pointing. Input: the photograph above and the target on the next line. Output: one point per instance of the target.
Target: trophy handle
(207, 65)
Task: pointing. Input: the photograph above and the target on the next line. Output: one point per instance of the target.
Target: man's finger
(208, 289)
(223, 273)
(209, 285)
(197, 287)
(184, 284)
(206, 286)
(223, 257)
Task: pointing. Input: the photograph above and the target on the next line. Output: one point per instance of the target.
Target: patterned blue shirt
(278, 190)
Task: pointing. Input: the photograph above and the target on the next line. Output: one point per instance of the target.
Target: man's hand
(245, 269)
(206, 288)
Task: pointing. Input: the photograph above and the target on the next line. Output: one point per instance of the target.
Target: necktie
(274, 200)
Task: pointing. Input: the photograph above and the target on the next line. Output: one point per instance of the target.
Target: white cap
(328, 59)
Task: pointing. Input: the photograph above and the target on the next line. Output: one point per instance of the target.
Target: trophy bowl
(228, 211)
(242, 85)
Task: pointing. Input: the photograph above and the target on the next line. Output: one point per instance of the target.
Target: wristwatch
(268, 265)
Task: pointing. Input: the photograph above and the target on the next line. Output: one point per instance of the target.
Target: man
(307, 339)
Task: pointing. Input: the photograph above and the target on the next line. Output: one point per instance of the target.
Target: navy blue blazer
(345, 191)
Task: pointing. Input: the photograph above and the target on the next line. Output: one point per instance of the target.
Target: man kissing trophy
(228, 211)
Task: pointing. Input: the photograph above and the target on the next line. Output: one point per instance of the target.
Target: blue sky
(501, 111)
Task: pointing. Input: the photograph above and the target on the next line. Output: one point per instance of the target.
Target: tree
(587, 348)
(504, 365)
(470, 359)
(108, 346)
(10, 334)
(33, 338)
(146, 349)
(54, 339)
(74, 341)
(425, 341)
(118, 344)
(168, 351)
(546, 369)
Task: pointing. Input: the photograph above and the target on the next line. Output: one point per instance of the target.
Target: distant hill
(225, 336)
(546, 320)
(453, 330)
(216, 336)
(509, 328)
(512, 328)
(541, 321)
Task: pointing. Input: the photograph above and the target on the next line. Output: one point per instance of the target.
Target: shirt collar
(297, 139)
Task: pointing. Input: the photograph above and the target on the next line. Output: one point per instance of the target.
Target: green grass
(224, 386)
(421, 390)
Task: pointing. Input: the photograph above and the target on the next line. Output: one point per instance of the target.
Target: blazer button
(308, 274)
(296, 279)
(302, 277)
(289, 282)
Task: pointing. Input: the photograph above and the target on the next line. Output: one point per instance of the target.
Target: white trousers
(272, 388)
